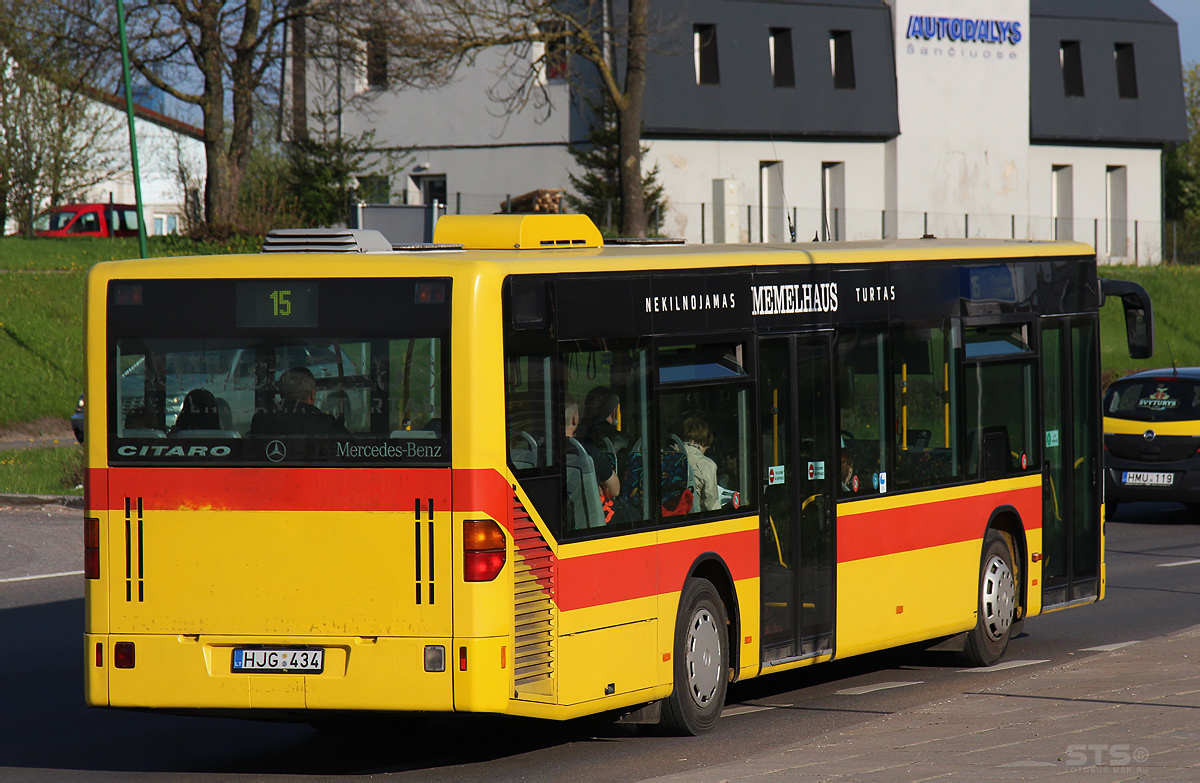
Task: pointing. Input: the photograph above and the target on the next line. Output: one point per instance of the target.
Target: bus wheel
(701, 661)
(997, 603)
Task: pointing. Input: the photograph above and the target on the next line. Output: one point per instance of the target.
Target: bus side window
(925, 399)
(706, 460)
(610, 384)
(862, 416)
(998, 402)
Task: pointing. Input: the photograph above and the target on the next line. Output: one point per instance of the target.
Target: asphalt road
(47, 733)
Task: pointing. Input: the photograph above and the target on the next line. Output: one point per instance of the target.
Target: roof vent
(531, 231)
(425, 247)
(326, 240)
(643, 241)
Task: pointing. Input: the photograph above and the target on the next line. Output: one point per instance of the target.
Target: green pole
(137, 177)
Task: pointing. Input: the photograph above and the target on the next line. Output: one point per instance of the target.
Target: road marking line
(859, 691)
(1000, 667)
(41, 576)
(746, 709)
(1181, 562)
(1110, 647)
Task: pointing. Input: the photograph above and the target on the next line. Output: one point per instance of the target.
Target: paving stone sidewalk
(1128, 714)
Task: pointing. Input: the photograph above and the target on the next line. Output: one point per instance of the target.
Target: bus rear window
(1153, 399)
(343, 386)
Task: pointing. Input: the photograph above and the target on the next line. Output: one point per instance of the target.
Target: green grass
(41, 344)
(80, 253)
(1175, 295)
(41, 314)
(54, 471)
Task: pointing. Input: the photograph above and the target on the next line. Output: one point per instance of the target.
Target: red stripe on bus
(608, 577)
(484, 491)
(923, 525)
(276, 489)
(95, 488)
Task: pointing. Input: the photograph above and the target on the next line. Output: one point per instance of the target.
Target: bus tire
(701, 661)
(988, 640)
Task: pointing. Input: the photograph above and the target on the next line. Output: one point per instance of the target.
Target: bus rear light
(123, 656)
(462, 659)
(482, 534)
(482, 566)
(435, 658)
(484, 550)
(99, 654)
(91, 548)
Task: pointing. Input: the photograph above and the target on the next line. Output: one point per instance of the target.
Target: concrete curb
(70, 501)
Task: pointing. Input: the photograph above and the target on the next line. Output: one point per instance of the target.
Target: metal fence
(1127, 242)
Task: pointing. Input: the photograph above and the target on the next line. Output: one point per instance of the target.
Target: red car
(88, 220)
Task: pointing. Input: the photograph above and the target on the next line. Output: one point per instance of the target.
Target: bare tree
(56, 141)
(220, 57)
(439, 36)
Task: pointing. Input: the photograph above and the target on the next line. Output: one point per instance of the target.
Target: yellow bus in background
(520, 471)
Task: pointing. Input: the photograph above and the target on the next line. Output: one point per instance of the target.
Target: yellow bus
(521, 471)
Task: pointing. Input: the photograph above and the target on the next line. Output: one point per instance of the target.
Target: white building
(849, 119)
(165, 147)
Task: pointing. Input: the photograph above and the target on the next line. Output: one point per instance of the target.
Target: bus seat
(523, 451)
(584, 506)
(204, 434)
(633, 489)
(142, 433)
(996, 452)
(919, 439)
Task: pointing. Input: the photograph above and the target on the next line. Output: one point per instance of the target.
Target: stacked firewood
(543, 200)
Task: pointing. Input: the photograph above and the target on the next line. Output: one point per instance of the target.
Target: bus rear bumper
(187, 672)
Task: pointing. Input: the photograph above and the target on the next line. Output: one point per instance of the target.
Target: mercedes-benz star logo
(1148, 434)
(276, 450)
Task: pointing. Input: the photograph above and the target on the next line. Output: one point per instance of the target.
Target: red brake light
(123, 656)
(484, 550)
(91, 548)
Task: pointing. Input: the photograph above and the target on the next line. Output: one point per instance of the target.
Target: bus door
(798, 511)
(1072, 469)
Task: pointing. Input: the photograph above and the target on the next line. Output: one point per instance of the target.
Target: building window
(704, 40)
(833, 201)
(432, 187)
(782, 71)
(1071, 61)
(1062, 200)
(1126, 70)
(377, 58)
(1117, 196)
(841, 59)
(554, 53)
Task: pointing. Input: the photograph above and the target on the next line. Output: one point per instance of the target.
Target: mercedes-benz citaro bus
(520, 471)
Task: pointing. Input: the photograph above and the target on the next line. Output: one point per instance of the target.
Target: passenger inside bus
(199, 412)
(585, 507)
(600, 437)
(297, 413)
(697, 437)
(600, 409)
(848, 479)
